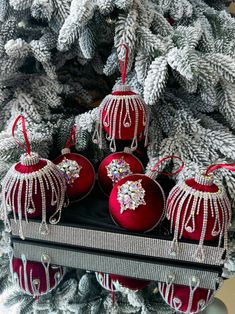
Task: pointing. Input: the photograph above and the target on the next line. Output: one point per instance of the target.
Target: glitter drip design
(131, 195)
(71, 170)
(118, 169)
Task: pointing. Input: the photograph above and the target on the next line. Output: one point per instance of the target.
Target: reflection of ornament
(114, 283)
(118, 169)
(35, 278)
(131, 195)
(199, 210)
(32, 188)
(79, 172)
(186, 299)
(123, 115)
(115, 167)
(71, 170)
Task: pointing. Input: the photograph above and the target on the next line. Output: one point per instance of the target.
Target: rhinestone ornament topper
(131, 195)
(71, 170)
(118, 169)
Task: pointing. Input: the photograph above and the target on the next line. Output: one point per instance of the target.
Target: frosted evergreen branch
(105, 6)
(155, 81)
(17, 49)
(42, 9)
(125, 32)
(223, 65)
(21, 4)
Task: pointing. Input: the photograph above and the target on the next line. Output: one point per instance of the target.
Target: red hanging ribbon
(166, 173)
(72, 138)
(27, 144)
(212, 168)
(123, 64)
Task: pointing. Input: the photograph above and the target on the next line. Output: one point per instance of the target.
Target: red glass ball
(111, 282)
(115, 167)
(33, 278)
(199, 209)
(79, 174)
(137, 203)
(178, 298)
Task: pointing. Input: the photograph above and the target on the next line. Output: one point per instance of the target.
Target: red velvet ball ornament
(136, 203)
(32, 188)
(116, 167)
(78, 172)
(35, 278)
(112, 282)
(185, 299)
(200, 210)
(123, 114)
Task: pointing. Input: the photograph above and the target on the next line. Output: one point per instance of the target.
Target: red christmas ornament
(116, 167)
(199, 209)
(186, 299)
(137, 202)
(35, 278)
(32, 188)
(123, 114)
(78, 171)
(114, 283)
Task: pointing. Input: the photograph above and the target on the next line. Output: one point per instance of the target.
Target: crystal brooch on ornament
(71, 170)
(118, 169)
(131, 195)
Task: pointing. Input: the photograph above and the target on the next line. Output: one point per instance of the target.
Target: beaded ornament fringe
(113, 105)
(167, 291)
(49, 177)
(34, 282)
(177, 198)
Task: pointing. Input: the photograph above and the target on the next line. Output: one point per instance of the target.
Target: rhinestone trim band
(29, 160)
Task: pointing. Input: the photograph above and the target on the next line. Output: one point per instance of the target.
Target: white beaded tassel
(176, 204)
(34, 282)
(47, 178)
(112, 105)
(167, 291)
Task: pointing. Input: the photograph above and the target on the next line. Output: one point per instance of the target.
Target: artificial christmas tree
(58, 58)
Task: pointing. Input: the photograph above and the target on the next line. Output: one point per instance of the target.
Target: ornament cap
(29, 160)
(65, 150)
(123, 88)
(203, 179)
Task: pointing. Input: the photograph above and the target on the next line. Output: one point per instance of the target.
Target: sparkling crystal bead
(131, 195)
(30, 210)
(45, 258)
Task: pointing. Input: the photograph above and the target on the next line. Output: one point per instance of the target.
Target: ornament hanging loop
(27, 144)
(212, 168)
(154, 169)
(124, 64)
(72, 138)
(71, 141)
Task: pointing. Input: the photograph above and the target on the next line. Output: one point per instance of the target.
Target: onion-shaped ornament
(32, 188)
(35, 278)
(199, 209)
(137, 202)
(123, 114)
(78, 171)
